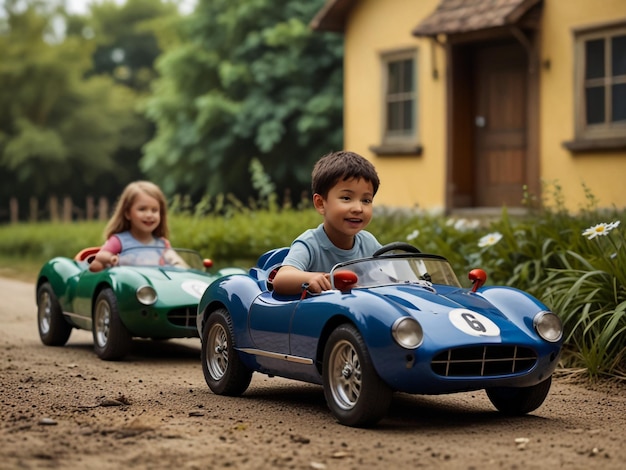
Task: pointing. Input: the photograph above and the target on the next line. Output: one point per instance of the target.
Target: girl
(139, 220)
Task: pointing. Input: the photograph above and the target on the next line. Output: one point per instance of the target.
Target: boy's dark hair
(341, 166)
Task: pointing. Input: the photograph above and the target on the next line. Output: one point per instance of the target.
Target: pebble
(47, 422)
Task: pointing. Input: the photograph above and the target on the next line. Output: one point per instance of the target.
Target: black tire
(354, 392)
(53, 329)
(111, 339)
(223, 370)
(519, 401)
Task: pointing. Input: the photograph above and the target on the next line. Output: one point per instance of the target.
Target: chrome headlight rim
(546, 321)
(407, 333)
(146, 295)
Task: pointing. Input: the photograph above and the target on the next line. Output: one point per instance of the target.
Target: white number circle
(195, 288)
(473, 323)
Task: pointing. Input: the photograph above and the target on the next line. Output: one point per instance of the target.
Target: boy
(344, 185)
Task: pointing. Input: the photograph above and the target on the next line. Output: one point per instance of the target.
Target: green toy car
(157, 301)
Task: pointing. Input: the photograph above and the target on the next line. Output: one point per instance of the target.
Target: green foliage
(126, 40)
(46, 240)
(262, 183)
(246, 80)
(242, 81)
(590, 293)
(60, 132)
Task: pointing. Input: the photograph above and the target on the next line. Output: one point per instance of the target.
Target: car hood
(447, 313)
(439, 299)
(172, 282)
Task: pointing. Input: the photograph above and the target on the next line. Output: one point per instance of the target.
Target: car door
(82, 289)
(269, 321)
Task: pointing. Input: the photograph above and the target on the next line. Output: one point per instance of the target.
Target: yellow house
(464, 104)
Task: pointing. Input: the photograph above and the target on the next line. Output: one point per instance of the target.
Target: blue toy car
(398, 321)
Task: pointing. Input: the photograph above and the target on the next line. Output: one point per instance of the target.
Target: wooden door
(500, 121)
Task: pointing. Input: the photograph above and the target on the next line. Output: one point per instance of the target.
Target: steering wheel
(396, 246)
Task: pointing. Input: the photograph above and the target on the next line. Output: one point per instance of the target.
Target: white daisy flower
(600, 229)
(460, 224)
(463, 225)
(473, 224)
(489, 239)
(413, 235)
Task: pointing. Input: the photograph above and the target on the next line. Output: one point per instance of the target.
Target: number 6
(473, 323)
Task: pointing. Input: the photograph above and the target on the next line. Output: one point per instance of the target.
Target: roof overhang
(332, 16)
(453, 17)
(450, 17)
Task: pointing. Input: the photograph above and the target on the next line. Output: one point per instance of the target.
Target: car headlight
(146, 295)
(407, 332)
(548, 326)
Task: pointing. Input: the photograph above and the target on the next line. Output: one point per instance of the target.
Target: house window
(400, 99)
(601, 83)
(399, 107)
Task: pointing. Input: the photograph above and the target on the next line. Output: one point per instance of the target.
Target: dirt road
(65, 408)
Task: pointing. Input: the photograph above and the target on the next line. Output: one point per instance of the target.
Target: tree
(58, 132)
(72, 126)
(126, 42)
(247, 79)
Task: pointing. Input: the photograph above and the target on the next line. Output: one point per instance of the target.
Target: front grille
(182, 317)
(484, 361)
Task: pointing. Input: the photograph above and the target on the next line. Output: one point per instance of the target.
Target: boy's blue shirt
(314, 252)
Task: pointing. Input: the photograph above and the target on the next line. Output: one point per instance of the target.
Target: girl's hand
(103, 260)
(96, 266)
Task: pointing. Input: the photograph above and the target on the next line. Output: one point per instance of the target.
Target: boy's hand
(319, 282)
(289, 281)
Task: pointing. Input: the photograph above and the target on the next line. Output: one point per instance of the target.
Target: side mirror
(344, 280)
(478, 277)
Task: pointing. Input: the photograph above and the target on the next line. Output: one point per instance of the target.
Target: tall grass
(590, 292)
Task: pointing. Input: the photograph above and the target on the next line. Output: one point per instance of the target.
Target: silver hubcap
(102, 322)
(45, 312)
(345, 375)
(217, 351)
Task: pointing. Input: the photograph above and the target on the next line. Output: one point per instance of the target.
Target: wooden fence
(56, 210)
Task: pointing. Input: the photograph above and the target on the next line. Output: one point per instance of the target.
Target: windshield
(158, 256)
(419, 269)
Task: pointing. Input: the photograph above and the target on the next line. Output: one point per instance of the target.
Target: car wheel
(111, 339)
(223, 370)
(53, 329)
(520, 400)
(354, 392)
